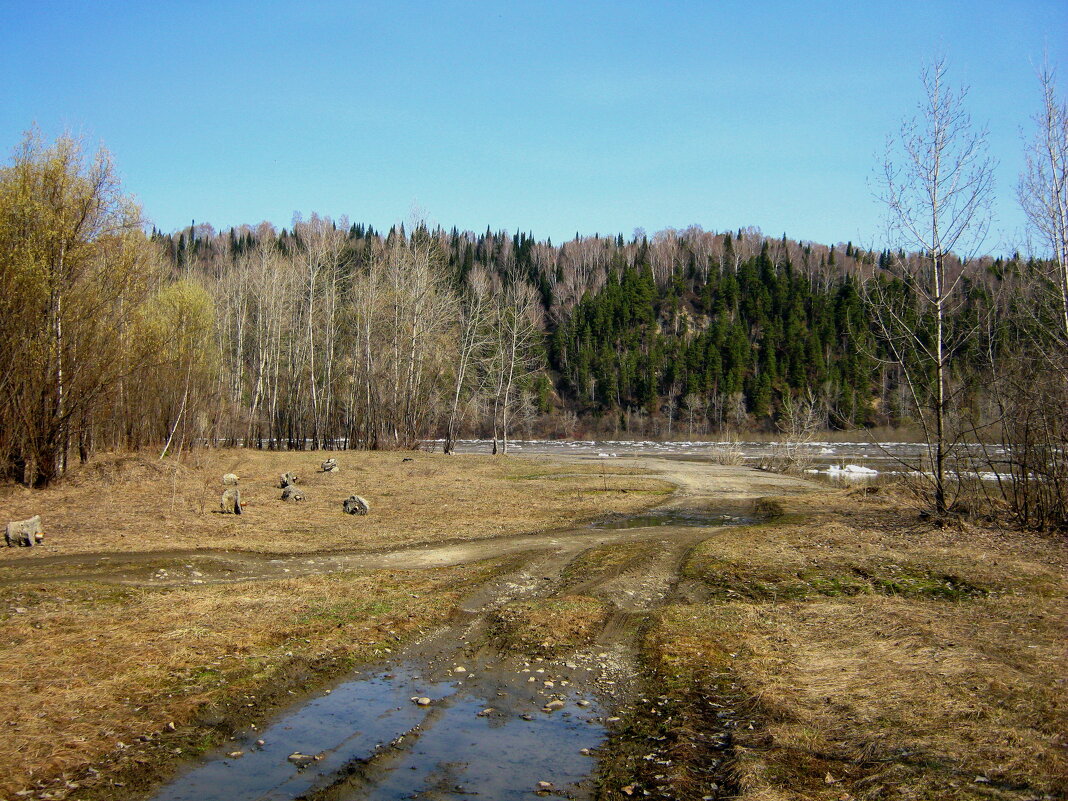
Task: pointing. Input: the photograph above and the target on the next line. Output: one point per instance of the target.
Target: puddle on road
(675, 517)
(485, 734)
(374, 742)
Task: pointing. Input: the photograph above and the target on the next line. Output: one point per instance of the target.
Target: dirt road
(471, 709)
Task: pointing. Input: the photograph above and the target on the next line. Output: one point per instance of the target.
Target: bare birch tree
(517, 325)
(473, 339)
(1031, 389)
(322, 255)
(937, 185)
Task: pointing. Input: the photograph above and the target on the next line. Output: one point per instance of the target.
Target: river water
(835, 461)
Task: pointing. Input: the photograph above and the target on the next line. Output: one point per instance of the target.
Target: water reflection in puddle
(372, 741)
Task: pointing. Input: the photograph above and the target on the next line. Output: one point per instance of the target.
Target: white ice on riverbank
(850, 471)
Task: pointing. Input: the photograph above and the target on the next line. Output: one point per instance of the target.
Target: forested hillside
(684, 332)
(332, 334)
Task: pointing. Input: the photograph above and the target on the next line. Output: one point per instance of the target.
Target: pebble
(236, 754)
(553, 705)
(489, 710)
(261, 743)
(421, 700)
(459, 669)
(583, 702)
(545, 785)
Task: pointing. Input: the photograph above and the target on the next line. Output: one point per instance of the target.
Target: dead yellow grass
(862, 675)
(90, 669)
(135, 502)
(842, 557)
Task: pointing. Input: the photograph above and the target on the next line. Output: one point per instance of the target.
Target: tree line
(331, 334)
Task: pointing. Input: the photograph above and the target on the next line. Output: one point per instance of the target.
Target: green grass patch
(345, 613)
(767, 578)
(732, 582)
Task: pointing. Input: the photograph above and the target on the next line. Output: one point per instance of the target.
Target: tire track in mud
(494, 712)
(490, 723)
(418, 763)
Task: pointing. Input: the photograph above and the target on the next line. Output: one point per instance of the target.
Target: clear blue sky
(542, 116)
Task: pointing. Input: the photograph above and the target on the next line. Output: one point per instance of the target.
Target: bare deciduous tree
(937, 184)
(1030, 389)
(801, 418)
(74, 265)
(473, 339)
(517, 326)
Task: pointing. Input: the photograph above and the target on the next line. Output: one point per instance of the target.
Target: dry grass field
(856, 657)
(838, 651)
(135, 502)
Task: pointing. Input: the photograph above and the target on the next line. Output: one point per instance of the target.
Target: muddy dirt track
(496, 723)
(462, 713)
